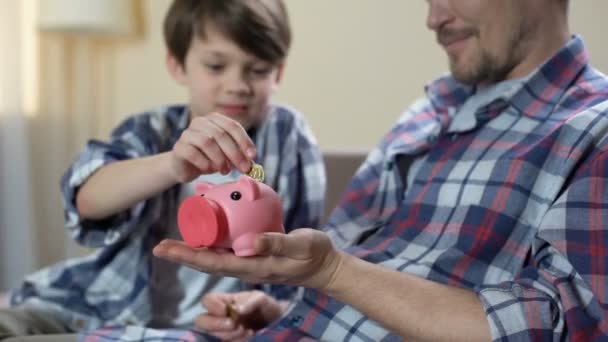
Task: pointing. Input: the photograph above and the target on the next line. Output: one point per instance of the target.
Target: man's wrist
(340, 270)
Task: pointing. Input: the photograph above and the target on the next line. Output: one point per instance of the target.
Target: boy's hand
(253, 310)
(211, 143)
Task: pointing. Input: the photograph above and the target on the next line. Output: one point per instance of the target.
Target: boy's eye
(215, 67)
(261, 71)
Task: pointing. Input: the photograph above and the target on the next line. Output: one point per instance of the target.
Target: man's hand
(211, 143)
(304, 257)
(253, 310)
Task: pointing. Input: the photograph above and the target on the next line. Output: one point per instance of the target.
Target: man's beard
(491, 69)
(488, 70)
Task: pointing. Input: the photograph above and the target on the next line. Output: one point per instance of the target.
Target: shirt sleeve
(136, 137)
(302, 185)
(562, 295)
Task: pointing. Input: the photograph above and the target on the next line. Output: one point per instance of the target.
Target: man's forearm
(120, 185)
(415, 308)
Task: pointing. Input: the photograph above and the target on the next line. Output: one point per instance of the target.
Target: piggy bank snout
(201, 222)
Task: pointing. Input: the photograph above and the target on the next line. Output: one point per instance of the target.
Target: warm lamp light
(98, 17)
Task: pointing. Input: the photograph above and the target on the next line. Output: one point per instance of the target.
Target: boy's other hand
(254, 311)
(211, 143)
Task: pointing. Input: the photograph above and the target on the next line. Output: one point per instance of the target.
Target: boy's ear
(279, 75)
(176, 69)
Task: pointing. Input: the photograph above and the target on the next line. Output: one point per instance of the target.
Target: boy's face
(223, 78)
(485, 40)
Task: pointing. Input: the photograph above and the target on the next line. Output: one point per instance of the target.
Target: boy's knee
(11, 323)
(46, 338)
(16, 322)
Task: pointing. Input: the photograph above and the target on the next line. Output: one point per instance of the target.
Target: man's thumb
(272, 244)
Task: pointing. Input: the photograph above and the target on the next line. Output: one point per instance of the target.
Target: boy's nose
(238, 83)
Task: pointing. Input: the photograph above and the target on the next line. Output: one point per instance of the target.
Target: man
(480, 216)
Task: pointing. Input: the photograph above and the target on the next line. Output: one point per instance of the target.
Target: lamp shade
(104, 17)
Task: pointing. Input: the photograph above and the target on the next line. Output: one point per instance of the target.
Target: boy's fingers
(238, 135)
(193, 156)
(232, 151)
(213, 141)
(215, 324)
(253, 301)
(223, 328)
(205, 144)
(231, 138)
(216, 303)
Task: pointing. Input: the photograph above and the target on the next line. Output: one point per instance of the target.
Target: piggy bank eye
(235, 195)
(202, 195)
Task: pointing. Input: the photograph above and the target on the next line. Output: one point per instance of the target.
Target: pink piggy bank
(230, 215)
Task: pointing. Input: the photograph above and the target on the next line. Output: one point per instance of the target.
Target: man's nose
(438, 13)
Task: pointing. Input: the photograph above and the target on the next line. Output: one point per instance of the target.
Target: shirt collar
(536, 97)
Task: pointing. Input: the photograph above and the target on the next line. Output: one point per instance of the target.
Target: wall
(354, 63)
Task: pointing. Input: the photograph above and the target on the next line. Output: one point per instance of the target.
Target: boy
(121, 197)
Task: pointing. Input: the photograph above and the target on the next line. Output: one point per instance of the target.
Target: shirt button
(296, 320)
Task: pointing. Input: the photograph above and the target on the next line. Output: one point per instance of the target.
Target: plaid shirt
(512, 208)
(122, 282)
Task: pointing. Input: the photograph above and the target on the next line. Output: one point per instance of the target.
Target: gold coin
(256, 172)
(232, 313)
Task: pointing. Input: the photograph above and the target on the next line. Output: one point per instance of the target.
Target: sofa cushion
(340, 165)
(3, 300)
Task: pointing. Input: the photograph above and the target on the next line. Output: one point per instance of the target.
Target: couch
(340, 165)
(3, 300)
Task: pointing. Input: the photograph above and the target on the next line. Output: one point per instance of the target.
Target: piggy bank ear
(200, 188)
(249, 188)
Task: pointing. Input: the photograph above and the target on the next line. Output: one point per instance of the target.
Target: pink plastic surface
(199, 223)
(230, 215)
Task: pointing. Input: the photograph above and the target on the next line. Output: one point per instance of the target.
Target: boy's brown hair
(259, 27)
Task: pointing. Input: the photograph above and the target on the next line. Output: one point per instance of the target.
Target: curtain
(18, 239)
(52, 93)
